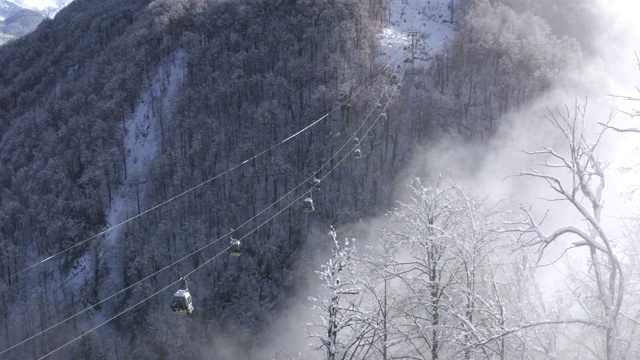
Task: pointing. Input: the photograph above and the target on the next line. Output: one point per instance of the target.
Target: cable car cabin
(355, 141)
(182, 302)
(357, 154)
(315, 185)
(234, 247)
(383, 116)
(307, 205)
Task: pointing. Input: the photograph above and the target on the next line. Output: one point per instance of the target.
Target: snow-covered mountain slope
(430, 24)
(46, 7)
(19, 24)
(19, 17)
(7, 8)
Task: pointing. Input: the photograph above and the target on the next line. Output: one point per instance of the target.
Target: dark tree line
(501, 58)
(249, 74)
(255, 72)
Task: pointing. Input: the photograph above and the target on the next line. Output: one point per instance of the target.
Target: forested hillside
(139, 137)
(251, 75)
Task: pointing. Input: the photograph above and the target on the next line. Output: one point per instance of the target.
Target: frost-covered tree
(451, 277)
(378, 269)
(499, 60)
(345, 328)
(576, 176)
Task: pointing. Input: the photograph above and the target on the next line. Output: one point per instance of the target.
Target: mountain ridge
(18, 18)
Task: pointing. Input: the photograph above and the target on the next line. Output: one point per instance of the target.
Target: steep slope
(89, 86)
(8, 8)
(170, 123)
(21, 23)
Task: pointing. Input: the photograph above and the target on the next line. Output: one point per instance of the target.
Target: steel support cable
(202, 183)
(295, 201)
(306, 181)
(206, 262)
(385, 106)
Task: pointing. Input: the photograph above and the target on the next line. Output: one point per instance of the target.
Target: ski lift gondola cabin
(307, 205)
(315, 185)
(355, 141)
(357, 154)
(182, 301)
(234, 247)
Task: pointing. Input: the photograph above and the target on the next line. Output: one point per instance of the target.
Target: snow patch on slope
(142, 139)
(429, 20)
(142, 144)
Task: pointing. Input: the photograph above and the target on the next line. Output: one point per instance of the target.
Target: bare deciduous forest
(139, 139)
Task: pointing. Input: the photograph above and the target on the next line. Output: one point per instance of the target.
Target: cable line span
(306, 181)
(295, 201)
(61, 252)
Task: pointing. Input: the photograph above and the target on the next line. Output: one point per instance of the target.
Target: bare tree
(633, 112)
(379, 269)
(576, 175)
(346, 327)
(450, 298)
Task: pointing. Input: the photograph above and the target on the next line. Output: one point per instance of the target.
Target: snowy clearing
(430, 23)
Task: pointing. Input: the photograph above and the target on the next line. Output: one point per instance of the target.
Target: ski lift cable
(383, 111)
(185, 276)
(295, 201)
(167, 266)
(305, 181)
(362, 124)
(204, 182)
(108, 320)
(212, 242)
(365, 133)
(142, 280)
(384, 108)
(300, 185)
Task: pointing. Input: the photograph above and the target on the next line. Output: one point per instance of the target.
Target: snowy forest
(336, 179)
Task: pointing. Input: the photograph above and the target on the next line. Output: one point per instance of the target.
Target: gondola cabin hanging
(315, 184)
(234, 247)
(182, 301)
(307, 205)
(357, 154)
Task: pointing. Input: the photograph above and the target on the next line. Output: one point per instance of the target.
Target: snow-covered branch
(585, 183)
(510, 331)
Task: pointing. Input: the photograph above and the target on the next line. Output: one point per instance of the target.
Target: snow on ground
(47, 7)
(142, 140)
(142, 144)
(41, 4)
(429, 20)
